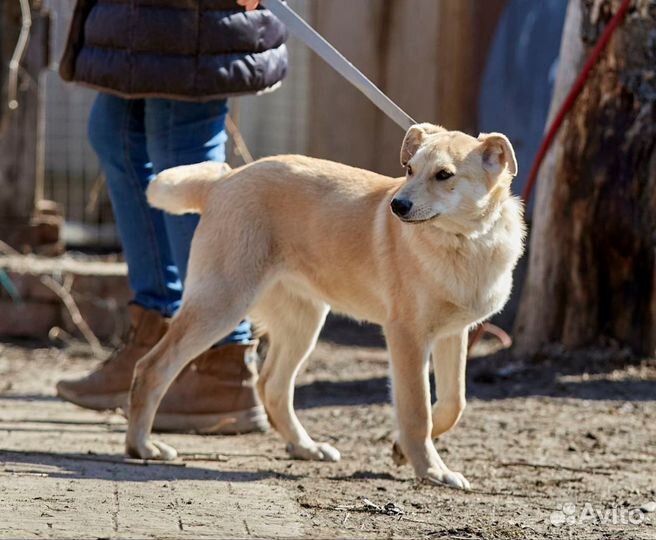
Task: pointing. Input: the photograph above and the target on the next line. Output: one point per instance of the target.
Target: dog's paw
(317, 452)
(152, 450)
(397, 454)
(445, 477)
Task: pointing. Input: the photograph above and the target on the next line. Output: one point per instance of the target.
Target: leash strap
(308, 35)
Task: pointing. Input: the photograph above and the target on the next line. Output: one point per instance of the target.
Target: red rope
(571, 98)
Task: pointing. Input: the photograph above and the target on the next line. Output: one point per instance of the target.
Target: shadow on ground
(345, 331)
(592, 374)
(115, 468)
(332, 393)
(595, 374)
(586, 375)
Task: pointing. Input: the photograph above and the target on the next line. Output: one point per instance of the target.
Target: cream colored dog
(287, 238)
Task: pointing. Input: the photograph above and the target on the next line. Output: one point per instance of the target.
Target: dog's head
(452, 175)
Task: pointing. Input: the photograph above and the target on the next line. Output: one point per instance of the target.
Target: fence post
(21, 131)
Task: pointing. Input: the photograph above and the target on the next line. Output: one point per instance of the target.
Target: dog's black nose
(401, 207)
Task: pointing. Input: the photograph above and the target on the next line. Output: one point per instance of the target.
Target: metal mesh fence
(72, 176)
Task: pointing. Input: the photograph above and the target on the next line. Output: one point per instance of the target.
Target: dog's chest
(477, 281)
(489, 297)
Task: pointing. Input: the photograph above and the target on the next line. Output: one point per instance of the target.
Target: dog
(287, 238)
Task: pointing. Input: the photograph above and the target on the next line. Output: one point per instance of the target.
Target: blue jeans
(134, 140)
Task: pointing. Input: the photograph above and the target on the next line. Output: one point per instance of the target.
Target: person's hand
(248, 4)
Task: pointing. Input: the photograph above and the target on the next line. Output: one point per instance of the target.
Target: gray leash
(308, 35)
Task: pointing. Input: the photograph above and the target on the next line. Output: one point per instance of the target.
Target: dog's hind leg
(293, 323)
(209, 312)
(449, 364)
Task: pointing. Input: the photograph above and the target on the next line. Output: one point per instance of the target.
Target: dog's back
(188, 188)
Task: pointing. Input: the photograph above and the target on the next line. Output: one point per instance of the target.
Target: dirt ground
(562, 446)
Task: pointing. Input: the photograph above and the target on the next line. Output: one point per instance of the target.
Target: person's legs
(217, 393)
(117, 134)
(183, 133)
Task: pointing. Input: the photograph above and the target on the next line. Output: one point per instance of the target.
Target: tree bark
(592, 276)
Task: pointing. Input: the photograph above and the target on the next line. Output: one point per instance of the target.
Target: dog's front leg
(409, 363)
(449, 364)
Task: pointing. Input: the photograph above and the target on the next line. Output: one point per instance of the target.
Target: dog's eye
(409, 170)
(443, 175)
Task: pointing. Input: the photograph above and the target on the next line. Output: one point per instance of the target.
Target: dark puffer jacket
(181, 49)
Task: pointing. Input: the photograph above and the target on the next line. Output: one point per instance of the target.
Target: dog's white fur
(287, 238)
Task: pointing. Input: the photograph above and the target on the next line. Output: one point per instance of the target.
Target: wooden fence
(427, 55)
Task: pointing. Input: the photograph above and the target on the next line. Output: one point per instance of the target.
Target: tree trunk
(592, 275)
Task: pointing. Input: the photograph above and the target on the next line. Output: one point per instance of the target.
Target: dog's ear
(414, 137)
(498, 154)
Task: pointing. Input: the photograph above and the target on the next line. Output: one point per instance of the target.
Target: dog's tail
(184, 189)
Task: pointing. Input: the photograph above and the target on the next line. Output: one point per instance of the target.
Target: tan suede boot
(216, 393)
(108, 386)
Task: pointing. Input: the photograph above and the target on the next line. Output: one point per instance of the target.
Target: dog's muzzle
(401, 207)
